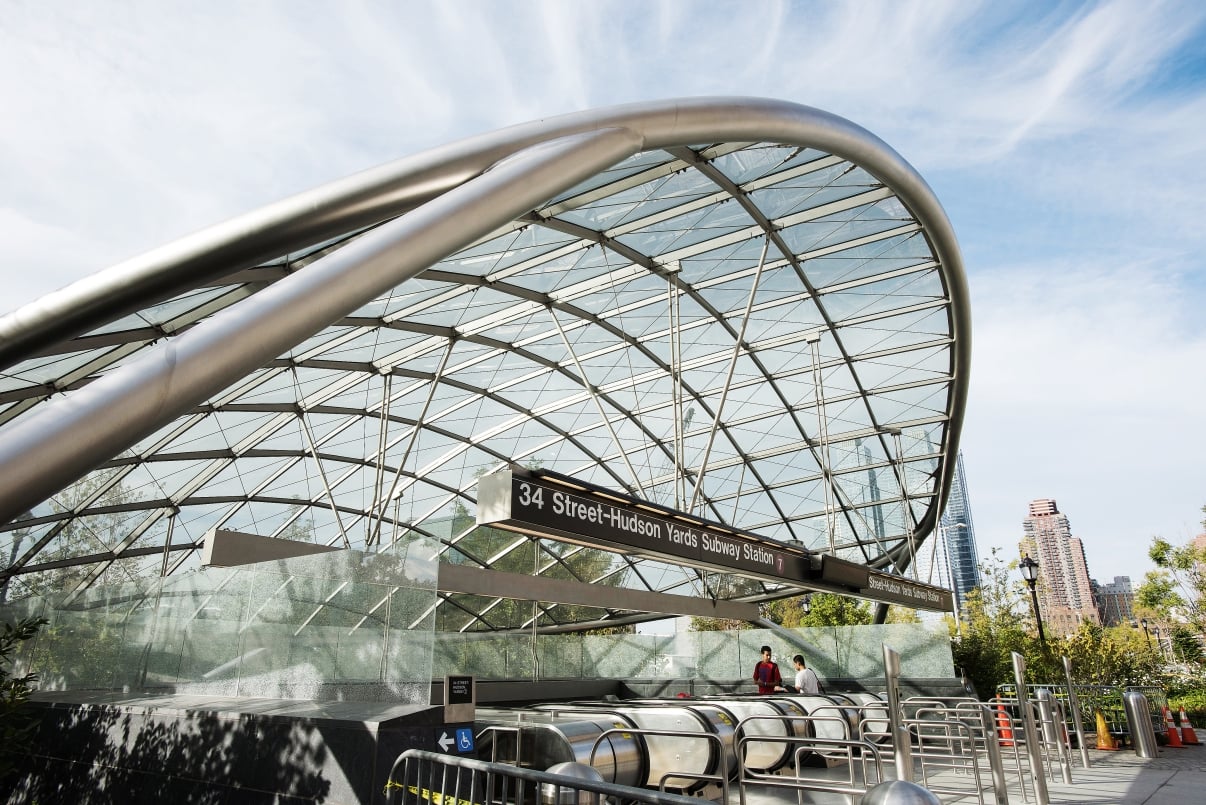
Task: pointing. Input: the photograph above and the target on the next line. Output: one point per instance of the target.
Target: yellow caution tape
(435, 796)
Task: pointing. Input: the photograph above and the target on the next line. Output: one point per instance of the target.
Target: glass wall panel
(346, 624)
(845, 652)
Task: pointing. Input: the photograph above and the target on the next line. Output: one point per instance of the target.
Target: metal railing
(945, 745)
(430, 778)
(1052, 736)
(1094, 698)
(960, 734)
(863, 759)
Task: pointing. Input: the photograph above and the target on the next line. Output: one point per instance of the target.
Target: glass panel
(332, 626)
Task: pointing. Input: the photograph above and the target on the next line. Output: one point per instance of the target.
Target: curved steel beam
(67, 436)
(389, 190)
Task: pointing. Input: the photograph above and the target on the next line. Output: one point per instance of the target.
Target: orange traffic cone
(1188, 736)
(1174, 735)
(1104, 739)
(1004, 726)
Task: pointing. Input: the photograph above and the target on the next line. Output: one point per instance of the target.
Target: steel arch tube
(72, 434)
(388, 190)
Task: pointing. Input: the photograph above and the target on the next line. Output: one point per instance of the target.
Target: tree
(1185, 644)
(101, 529)
(826, 609)
(835, 610)
(901, 614)
(992, 629)
(1177, 588)
(1109, 656)
(995, 626)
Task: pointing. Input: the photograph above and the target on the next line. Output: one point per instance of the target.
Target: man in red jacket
(766, 673)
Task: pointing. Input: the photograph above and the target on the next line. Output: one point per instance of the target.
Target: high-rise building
(1115, 601)
(959, 536)
(1064, 590)
(932, 562)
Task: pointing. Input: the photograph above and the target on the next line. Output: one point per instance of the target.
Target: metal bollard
(899, 792)
(552, 794)
(1074, 709)
(1139, 721)
(902, 742)
(1038, 775)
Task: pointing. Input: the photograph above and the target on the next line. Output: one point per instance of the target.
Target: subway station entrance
(483, 411)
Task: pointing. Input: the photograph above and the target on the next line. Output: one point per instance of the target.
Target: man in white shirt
(806, 678)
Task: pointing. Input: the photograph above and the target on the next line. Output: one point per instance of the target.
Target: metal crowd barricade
(977, 740)
(874, 725)
(961, 735)
(864, 762)
(430, 778)
(1052, 744)
(1004, 731)
(945, 745)
(1089, 697)
(1093, 698)
(1053, 730)
(983, 719)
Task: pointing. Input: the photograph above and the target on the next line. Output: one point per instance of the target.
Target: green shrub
(1194, 702)
(16, 721)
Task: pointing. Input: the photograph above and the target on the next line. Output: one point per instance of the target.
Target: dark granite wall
(122, 753)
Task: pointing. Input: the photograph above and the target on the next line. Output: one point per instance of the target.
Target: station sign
(549, 505)
(564, 509)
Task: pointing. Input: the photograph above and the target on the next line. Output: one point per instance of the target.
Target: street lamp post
(1146, 634)
(1159, 645)
(806, 604)
(1029, 569)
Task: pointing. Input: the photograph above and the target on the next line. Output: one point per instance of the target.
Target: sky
(1066, 141)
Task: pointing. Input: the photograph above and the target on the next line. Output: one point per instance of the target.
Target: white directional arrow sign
(445, 741)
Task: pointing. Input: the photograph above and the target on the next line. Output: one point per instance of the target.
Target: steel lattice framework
(746, 309)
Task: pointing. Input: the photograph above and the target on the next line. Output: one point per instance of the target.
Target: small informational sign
(460, 698)
(455, 739)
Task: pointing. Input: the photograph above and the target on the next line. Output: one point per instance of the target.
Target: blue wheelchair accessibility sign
(464, 739)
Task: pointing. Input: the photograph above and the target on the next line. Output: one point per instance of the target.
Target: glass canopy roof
(761, 333)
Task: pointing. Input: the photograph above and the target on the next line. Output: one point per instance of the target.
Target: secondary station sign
(884, 586)
(553, 506)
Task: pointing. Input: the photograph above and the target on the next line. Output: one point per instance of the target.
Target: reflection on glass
(344, 625)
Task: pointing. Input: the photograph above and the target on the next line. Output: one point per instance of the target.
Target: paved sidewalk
(1176, 777)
